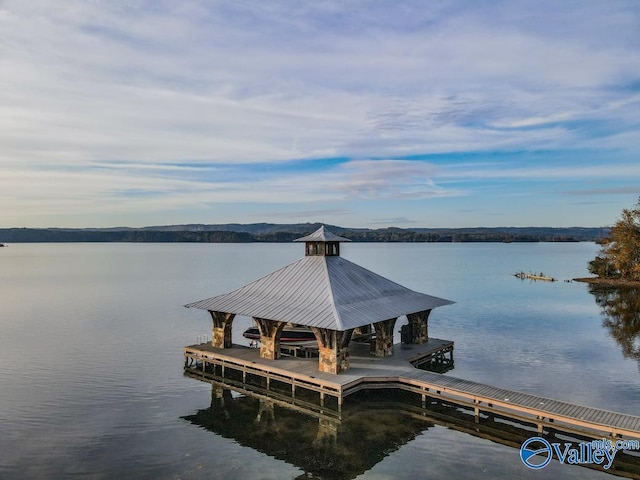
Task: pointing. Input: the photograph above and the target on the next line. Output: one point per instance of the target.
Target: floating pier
(242, 367)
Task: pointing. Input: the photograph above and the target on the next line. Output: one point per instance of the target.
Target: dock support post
(539, 424)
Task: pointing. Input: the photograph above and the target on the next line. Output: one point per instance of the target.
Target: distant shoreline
(284, 233)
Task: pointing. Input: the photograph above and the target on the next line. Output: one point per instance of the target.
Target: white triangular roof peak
(322, 235)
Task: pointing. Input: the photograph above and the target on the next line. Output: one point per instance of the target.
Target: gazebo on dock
(329, 294)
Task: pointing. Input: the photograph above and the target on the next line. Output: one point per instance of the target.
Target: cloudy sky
(356, 113)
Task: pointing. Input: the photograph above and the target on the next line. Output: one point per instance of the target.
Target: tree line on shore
(619, 258)
(288, 233)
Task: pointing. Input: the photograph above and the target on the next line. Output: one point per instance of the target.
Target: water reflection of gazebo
(332, 296)
(321, 446)
(328, 446)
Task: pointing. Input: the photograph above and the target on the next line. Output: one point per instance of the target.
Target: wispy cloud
(148, 106)
(311, 215)
(633, 190)
(514, 171)
(392, 221)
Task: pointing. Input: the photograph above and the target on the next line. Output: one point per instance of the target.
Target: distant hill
(270, 232)
(252, 228)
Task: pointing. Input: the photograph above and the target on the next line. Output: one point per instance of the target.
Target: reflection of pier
(244, 366)
(328, 443)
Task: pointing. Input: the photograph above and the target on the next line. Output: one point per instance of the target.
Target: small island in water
(534, 276)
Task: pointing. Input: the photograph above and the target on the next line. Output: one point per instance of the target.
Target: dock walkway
(368, 372)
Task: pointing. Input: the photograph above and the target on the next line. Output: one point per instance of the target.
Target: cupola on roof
(322, 242)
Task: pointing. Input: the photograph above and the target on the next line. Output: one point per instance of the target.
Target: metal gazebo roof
(322, 291)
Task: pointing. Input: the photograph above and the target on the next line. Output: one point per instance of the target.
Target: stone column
(327, 437)
(266, 417)
(363, 330)
(333, 349)
(419, 327)
(220, 399)
(384, 337)
(222, 321)
(270, 331)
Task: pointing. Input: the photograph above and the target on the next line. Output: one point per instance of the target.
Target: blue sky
(356, 113)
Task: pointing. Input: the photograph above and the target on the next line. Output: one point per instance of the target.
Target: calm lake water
(91, 365)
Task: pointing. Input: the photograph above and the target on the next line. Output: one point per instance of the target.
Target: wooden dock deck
(368, 372)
